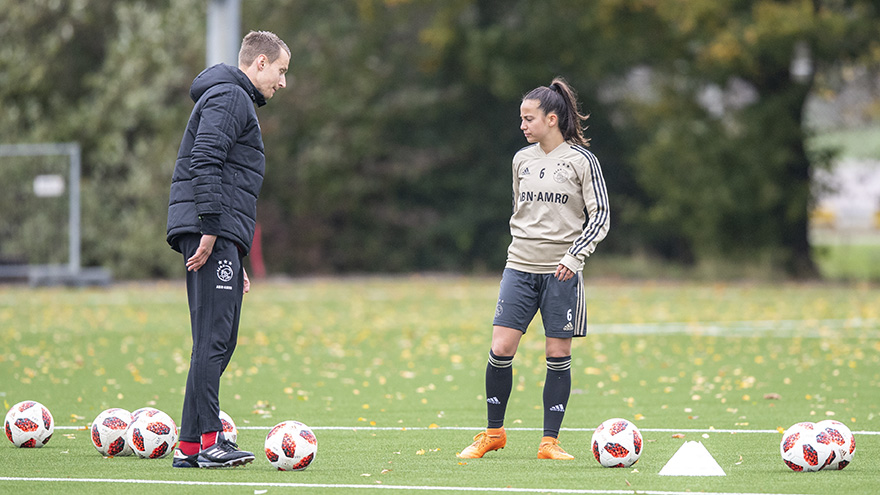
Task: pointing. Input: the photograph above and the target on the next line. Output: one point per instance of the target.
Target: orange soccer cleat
(550, 449)
(485, 441)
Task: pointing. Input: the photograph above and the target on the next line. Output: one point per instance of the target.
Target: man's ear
(262, 61)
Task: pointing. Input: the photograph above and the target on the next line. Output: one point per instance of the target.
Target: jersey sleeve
(598, 214)
(515, 178)
(219, 127)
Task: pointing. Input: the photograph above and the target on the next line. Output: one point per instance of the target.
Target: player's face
(534, 123)
(272, 77)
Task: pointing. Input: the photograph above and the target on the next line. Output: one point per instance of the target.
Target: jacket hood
(224, 74)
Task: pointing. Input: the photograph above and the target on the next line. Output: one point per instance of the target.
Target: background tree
(721, 135)
(390, 151)
(113, 76)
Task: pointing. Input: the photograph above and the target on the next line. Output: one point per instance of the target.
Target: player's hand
(563, 273)
(247, 281)
(203, 252)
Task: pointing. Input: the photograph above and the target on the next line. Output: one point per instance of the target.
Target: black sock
(557, 388)
(499, 382)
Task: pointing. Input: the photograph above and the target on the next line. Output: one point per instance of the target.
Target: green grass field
(389, 373)
(847, 257)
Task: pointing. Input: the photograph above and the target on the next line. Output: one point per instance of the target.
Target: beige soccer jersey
(560, 208)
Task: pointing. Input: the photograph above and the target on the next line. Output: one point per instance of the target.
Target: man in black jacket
(212, 214)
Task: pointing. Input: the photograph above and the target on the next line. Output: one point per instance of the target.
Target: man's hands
(203, 252)
(206, 246)
(563, 273)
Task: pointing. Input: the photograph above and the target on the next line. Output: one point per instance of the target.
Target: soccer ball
(230, 432)
(152, 435)
(108, 432)
(291, 446)
(802, 449)
(144, 410)
(617, 443)
(29, 424)
(841, 440)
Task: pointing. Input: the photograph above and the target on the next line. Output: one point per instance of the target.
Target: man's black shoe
(182, 460)
(224, 454)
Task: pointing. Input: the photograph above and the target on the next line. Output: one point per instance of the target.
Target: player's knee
(500, 361)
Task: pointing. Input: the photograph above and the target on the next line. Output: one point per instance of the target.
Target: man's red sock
(189, 448)
(209, 439)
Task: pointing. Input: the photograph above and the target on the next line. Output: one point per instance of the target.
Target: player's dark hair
(257, 43)
(561, 99)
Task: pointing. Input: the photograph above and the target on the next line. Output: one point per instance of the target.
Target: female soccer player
(560, 213)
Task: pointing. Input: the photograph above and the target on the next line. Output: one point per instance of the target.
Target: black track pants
(214, 293)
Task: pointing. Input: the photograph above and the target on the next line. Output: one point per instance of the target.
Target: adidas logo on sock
(558, 408)
(568, 327)
(493, 400)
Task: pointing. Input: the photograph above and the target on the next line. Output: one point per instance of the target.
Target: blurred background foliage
(390, 150)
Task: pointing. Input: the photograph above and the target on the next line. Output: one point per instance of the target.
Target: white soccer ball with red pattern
(29, 424)
(152, 435)
(108, 432)
(230, 432)
(841, 440)
(803, 450)
(617, 443)
(291, 446)
(137, 412)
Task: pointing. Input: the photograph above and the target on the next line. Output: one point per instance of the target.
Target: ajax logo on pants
(224, 271)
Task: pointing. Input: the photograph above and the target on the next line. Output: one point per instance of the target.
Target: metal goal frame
(73, 273)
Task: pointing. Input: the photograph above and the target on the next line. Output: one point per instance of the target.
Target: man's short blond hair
(257, 43)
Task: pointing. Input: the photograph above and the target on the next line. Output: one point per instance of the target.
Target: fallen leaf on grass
(772, 396)
(740, 461)
(678, 435)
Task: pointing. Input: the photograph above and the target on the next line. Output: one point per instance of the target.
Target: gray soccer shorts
(563, 305)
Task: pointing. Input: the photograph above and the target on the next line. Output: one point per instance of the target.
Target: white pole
(73, 150)
(223, 32)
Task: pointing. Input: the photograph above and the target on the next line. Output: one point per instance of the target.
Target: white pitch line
(375, 487)
(472, 428)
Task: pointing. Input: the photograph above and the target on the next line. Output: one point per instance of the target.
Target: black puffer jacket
(219, 169)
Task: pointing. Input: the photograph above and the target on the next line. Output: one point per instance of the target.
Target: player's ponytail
(561, 99)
